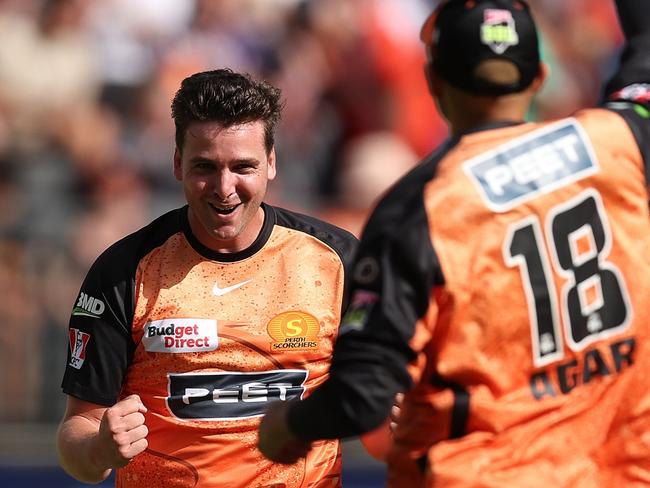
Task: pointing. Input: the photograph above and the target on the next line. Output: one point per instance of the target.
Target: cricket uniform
(208, 340)
(504, 284)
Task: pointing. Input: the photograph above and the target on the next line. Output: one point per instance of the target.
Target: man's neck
(469, 111)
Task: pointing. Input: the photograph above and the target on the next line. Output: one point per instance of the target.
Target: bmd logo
(231, 395)
(89, 306)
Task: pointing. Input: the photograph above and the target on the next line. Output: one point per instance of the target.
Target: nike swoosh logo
(222, 291)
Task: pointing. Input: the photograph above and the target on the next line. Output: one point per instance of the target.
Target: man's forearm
(634, 17)
(634, 66)
(77, 450)
(348, 404)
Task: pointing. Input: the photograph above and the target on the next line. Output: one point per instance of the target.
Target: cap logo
(498, 30)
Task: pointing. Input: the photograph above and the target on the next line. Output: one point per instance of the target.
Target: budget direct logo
(180, 335)
(88, 306)
(293, 331)
(78, 342)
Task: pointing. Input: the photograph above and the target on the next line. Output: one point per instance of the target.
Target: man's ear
(428, 75)
(542, 75)
(433, 81)
(178, 165)
(271, 169)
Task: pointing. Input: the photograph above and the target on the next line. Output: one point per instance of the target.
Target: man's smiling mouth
(223, 209)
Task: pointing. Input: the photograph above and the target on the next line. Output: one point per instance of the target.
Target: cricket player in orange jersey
(503, 283)
(186, 330)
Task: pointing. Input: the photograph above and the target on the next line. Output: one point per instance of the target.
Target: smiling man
(225, 171)
(185, 331)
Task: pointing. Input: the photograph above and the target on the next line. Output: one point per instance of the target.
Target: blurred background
(86, 145)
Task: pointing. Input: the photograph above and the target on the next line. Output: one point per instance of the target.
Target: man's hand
(379, 441)
(276, 440)
(122, 433)
(396, 411)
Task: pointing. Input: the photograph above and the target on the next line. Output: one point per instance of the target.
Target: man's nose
(225, 184)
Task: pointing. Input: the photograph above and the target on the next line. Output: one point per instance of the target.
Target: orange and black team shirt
(504, 283)
(208, 340)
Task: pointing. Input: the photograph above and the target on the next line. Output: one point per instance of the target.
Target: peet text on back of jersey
(536, 163)
(231, 395)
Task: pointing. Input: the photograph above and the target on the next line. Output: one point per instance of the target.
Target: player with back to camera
(503, 283)
(186, 330)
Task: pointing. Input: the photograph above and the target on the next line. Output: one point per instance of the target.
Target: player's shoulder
(403, 205)
(632, 103)
(339, 239)
(626, 107)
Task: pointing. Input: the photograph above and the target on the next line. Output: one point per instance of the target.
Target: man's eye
(244, 168)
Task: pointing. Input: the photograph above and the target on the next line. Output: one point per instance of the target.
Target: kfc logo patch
(78, 342)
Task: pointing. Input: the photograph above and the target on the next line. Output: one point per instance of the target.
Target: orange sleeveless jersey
(541, 326)
(207, 341)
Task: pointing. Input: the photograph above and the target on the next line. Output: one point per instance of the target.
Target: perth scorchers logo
(293, 331)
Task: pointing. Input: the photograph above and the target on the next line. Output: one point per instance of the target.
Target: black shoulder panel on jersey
(116, 267)
(102, 318)
(342, 241)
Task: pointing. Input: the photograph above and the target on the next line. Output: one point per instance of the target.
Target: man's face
(225, 171)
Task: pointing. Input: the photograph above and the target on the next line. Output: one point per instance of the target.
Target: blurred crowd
(86, 137)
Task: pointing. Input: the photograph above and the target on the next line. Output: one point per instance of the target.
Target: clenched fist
(276, 441)
(122, 432)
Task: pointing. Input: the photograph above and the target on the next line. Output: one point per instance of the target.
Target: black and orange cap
(460, 34)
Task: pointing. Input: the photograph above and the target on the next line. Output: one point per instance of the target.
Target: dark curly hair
(228, 98)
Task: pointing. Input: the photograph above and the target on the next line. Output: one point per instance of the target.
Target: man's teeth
(224, 209)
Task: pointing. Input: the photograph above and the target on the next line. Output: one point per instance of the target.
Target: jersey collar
(206, 252)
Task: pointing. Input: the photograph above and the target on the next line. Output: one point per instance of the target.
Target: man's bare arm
(93, 439)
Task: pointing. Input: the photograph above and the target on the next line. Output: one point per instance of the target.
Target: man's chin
(224, 235)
